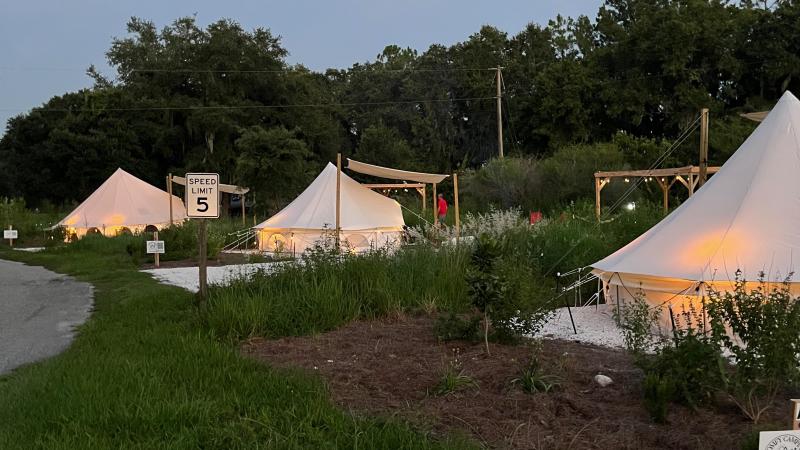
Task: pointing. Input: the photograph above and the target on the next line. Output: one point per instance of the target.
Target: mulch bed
(391, 368)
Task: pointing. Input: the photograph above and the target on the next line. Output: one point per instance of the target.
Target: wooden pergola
(688, 176)
(419, 187)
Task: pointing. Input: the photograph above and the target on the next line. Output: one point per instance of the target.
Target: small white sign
(779, 440)
(10, 234)
(202, 195)
(155, 246)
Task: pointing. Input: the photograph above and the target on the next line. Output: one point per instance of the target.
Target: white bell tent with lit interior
(746, 217)
(365, 218)
(123, 204)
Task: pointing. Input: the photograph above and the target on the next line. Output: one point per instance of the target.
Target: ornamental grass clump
(453, 377)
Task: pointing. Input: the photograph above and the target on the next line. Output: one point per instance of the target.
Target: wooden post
(169, 191)
(703, 147)
(338, 198)
(435, 207)
(455, 204)
(244, 217)
(202, 262)
(499, 112)
(157, 256)
(664, 192)
(424, 198)
(597, 188)
(795, 414)
(11, 241)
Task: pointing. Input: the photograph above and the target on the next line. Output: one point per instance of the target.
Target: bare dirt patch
(392, 368)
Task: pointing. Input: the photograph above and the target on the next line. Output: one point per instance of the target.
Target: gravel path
(39, 311)
(187, 277)
(595, 325)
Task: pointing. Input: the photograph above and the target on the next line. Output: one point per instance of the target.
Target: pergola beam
(689, 176)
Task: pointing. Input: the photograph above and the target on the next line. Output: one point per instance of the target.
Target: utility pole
(703, 147)
(499, 111)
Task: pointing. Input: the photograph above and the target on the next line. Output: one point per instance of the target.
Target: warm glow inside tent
(746, 217)
(368, 219)
(123, 203)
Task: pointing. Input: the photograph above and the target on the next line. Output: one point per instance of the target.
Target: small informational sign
(10, 234)
(155, 247)
(779, 440)
(202, 195)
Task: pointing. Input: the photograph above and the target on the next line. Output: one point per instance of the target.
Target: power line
(251, 107)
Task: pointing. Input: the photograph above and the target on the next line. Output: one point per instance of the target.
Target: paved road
(39, 310)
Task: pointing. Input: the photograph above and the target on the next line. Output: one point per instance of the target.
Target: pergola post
(424, 198)
(703, 173)
(169, 191)
(599, 184)
(665, 193)
(435, 207)
(244, 217)
(597, 188)
(455, 203)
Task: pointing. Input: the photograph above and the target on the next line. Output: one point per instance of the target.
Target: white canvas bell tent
(368, 219)
(746, 217)
(123, 203)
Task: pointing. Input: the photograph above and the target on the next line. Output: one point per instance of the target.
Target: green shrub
(695, 366)
(454, 327)
(636, 320)
(759, 327)
(658, 393)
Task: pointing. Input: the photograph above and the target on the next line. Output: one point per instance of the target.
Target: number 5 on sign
(202, 195)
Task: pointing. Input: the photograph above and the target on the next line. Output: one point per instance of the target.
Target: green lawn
(143, 373)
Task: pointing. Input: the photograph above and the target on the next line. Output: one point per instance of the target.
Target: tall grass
(31, 224)
(320, 294)
(142, 374)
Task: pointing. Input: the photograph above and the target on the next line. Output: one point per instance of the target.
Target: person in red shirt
(442, 208)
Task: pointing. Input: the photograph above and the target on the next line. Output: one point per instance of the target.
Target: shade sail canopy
(124, 201)
(755, 116)
(227, 188)
(315, 208)
(746, 217)
(394, 174)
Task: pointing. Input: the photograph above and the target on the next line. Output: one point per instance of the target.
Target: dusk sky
(45, 47)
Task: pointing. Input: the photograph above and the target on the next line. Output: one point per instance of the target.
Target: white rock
(602, 380)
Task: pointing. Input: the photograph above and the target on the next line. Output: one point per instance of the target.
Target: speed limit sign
(202, 195)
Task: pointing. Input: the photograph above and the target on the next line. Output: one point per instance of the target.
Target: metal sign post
(202, 202)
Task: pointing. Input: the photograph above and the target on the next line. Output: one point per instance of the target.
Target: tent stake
(674, 328)
(569, 310)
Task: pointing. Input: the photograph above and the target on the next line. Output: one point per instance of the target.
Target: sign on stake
(10, 234)
(156, 248)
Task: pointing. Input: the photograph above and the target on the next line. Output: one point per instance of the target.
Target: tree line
(221, 98)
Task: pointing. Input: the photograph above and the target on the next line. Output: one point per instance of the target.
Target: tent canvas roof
(315, 208)
(746, 217)
(124, 200)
